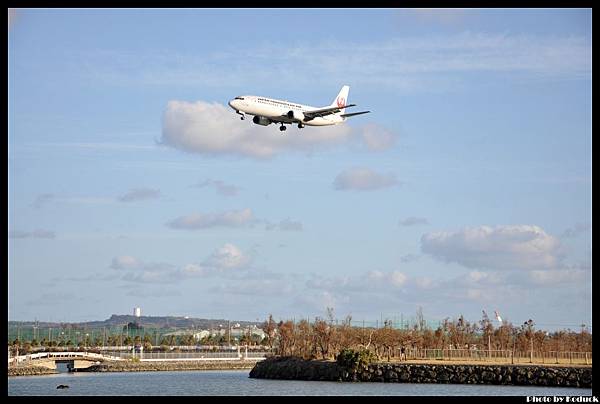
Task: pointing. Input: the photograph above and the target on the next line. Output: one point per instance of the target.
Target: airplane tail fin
(341, 99)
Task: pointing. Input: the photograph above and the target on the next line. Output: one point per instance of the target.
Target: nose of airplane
(231, 104)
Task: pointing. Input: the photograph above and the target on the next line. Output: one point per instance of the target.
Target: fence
(76, 335)
(500, 356)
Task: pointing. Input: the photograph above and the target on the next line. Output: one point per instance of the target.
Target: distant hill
(116, 320)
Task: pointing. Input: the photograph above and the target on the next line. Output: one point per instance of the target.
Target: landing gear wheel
(282, 128)
(300, 126)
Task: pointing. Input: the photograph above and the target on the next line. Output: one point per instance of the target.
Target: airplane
(267, 111)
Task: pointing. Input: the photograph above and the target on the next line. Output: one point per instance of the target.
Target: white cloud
(502, 247)
(363, 179)
(194, 270)
(233, 218)
(213, 129)
(149, 276)
(397, 278)
(132, 269)
(477, 294)
(411, 63)
(559, 277)
(424, 282)
(476, 276)
(125, 262)
(225, 260)
(319, 300)
(139, 194)
(379, 281)
(371, 281)
(228, 257)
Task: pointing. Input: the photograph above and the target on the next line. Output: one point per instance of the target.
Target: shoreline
(126, 366)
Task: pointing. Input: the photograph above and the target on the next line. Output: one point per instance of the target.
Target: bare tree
(323, 333)
(286, 338)
(269, 328)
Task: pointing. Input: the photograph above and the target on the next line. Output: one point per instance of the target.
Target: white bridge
(80, 360)
(74, 360)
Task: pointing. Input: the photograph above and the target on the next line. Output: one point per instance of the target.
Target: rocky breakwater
(299, 369)
(30, 370)
(128, 366)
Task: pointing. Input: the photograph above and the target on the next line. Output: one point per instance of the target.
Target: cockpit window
(239, 98)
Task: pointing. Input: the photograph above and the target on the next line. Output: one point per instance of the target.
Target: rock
(291, 368)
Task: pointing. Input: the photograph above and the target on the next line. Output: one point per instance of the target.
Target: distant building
(236, 333)
(137, 312)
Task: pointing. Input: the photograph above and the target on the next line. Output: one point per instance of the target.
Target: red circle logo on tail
(341, 101)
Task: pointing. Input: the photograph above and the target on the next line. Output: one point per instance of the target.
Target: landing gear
(300, 126)
(243, 116)
(282, 127)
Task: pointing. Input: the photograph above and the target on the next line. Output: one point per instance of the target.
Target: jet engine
(296, 115)
(261, 120)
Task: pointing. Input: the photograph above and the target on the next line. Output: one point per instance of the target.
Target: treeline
(325, 338)
(148, 341)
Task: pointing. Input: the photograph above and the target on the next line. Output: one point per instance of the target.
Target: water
(237, 383)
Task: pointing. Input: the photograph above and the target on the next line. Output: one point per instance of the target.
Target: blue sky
(467, 188)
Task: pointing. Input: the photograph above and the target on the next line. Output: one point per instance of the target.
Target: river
(237, 383)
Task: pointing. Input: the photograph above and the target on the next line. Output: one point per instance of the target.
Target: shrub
(355, 360)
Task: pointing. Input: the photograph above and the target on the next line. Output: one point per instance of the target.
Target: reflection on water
(236, 382)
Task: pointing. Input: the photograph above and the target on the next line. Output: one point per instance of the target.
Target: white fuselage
(278, 110)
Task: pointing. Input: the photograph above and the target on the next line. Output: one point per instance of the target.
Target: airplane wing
(315, 113)
(356, 113)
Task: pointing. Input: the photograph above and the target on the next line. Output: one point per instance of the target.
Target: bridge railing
(59, 355)
(232, 355)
